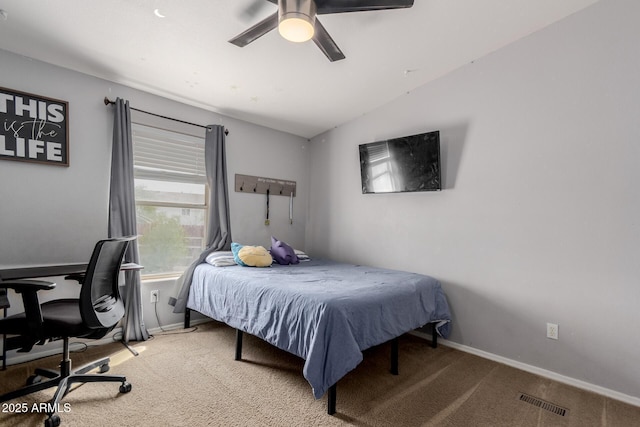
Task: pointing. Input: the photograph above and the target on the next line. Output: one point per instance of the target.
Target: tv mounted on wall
(410, 163)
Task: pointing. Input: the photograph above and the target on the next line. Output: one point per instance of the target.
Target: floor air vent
(547, 406)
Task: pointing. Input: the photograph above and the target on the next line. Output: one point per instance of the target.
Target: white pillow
(301, 255)
(221, 259)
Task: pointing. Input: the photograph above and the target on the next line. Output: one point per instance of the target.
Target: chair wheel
(125, 387)
(34, 379)
(52, 421)
(104, 368)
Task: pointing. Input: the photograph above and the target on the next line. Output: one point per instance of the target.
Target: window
(171, 202)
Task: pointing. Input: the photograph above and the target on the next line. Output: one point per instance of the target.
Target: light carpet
(192, 379)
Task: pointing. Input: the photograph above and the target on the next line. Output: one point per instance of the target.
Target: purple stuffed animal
(282, 253)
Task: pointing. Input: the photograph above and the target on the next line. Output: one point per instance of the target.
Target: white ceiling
(286, 86)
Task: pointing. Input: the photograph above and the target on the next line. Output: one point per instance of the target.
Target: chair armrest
(29, 290)
(25, 285)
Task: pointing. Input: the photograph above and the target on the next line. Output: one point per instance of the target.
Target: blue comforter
(323, 311)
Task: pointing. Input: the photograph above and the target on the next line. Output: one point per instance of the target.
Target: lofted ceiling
(185, 55)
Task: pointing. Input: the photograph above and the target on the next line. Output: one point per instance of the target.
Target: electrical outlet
(154, 296)
(552, 331)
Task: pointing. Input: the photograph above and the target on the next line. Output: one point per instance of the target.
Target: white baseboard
(180, 325)
(55, 347)
(631, 400)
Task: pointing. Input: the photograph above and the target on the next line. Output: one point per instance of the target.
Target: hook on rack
(262, 185)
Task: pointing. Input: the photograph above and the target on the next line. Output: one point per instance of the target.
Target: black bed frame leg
(331, 400)
(394, 356)
(187, 318)
(238, 344)
(434, 336)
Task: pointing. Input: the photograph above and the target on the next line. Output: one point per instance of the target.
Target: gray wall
(539, 220)
(52, 214)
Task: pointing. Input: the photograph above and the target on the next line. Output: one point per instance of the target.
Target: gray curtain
(122, 218)
(218, 223)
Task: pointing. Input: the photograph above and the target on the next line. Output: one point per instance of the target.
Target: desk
(52, 270)
(25, 273)
(47, 271)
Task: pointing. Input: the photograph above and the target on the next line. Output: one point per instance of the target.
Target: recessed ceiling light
(158, 14)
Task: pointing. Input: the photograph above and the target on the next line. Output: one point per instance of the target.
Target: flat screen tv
(410, 163)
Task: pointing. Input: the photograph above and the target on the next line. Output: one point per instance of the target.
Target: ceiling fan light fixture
(296, 19)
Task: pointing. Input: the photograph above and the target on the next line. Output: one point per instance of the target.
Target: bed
(323, 311)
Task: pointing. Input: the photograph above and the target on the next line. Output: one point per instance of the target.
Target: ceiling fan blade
(323, 40)
(342, 6)
(255, 32)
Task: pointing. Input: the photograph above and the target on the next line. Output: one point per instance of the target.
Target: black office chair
(93, 316)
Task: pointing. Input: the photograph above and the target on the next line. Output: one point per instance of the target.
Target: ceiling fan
(296, 21)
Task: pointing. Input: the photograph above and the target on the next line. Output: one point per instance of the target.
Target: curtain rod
(107, 101)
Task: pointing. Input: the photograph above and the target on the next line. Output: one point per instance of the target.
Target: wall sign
(33, 128)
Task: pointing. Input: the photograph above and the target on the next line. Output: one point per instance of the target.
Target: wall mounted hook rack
(260, 185)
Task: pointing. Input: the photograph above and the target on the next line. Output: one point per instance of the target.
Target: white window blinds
(163, 155)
